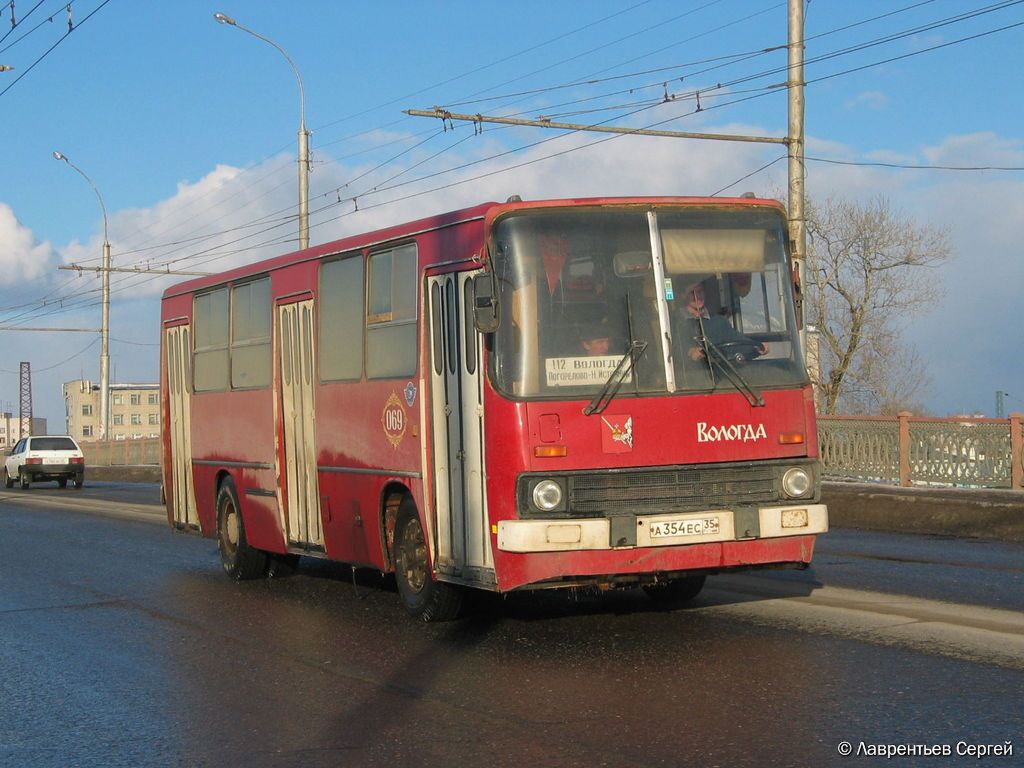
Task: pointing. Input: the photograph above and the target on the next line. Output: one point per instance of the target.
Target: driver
(717, 329)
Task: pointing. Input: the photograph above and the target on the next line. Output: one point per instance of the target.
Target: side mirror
(486, 309)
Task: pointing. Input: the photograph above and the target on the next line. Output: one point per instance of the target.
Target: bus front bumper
(668, 530)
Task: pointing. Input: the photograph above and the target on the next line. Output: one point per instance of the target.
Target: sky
(188, 127)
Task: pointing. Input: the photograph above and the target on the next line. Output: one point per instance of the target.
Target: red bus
(527, 395)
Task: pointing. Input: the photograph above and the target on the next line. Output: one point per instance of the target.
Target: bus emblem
(617, 435)
(410, 393)
(393, 420)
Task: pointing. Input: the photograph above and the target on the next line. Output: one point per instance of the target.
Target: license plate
(694, 526)
(55, 461)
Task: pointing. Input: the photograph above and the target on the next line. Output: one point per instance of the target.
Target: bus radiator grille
(671, 490)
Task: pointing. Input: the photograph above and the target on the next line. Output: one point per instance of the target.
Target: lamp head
(58, 156)
(224, 19)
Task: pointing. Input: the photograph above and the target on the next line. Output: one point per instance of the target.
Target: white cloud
(875, 100)
(200, 220)
(976, 149)
(896, 158)
(22, 259)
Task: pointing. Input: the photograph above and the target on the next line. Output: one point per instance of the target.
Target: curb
(963, 512)
(978, 513)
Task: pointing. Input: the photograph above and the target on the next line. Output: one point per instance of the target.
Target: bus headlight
(547, 495)
(796, 482)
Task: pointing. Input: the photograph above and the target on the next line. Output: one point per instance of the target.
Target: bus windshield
(578, 288)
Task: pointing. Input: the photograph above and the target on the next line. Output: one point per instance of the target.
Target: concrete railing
(119, 453)
(907, 450)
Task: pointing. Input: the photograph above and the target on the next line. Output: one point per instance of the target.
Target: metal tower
(26, 399)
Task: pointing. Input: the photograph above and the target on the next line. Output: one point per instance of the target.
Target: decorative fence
(907, 450)
(904, 450)
(118, 453)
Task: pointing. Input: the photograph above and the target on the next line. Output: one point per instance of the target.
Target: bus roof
(488, 211)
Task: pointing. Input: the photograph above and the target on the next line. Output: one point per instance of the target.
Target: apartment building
(10, 429)
(134, 410)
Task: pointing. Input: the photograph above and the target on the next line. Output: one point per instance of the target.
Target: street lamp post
(303, 133)
(105, 325)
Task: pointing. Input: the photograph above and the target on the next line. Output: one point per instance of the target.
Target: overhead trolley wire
(49, 50)
(463, 181)
(19, 22)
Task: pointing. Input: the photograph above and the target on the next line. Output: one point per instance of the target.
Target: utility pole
(795, 87)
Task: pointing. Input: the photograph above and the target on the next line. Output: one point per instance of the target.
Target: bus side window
(391, 313)
(210, 316)
(250, 334)
(340, 348)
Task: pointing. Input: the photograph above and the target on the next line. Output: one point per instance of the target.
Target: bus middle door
(297, 456)
(179, 395)
(457, 428)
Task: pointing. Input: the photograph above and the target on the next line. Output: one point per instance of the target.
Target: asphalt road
(122, 643)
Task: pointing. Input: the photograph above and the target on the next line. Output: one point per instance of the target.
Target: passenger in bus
(554, 324)
(696, 322)
(594, 340)
(740, 283)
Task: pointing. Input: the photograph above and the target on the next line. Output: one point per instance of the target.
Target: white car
(49, 457)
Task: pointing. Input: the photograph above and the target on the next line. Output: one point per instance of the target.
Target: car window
(53, 444)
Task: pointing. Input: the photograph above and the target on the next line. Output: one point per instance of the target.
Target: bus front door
(179, 378)
(463, 542)
(297, 456)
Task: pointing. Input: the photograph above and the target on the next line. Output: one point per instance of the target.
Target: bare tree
(869, 269)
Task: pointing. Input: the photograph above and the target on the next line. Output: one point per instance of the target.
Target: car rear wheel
(25, 480)
(62, 482)
(78, 482)
(240, 561)
(423, 597)
(8, 480)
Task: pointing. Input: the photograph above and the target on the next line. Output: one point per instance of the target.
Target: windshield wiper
(614, 381)
(733, 375)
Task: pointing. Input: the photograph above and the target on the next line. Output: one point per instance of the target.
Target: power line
(918, 167)
(17, 40)
(687, 96)
(485, 66)
(214, 256)
(49, 50)
(559, 37)
(752, 173)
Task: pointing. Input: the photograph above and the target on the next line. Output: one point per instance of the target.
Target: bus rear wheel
(240, 561)
(422, 596)
(676, 591)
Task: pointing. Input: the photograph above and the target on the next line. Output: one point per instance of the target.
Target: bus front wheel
(423, 596)
(676, 591)
(240, 561)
